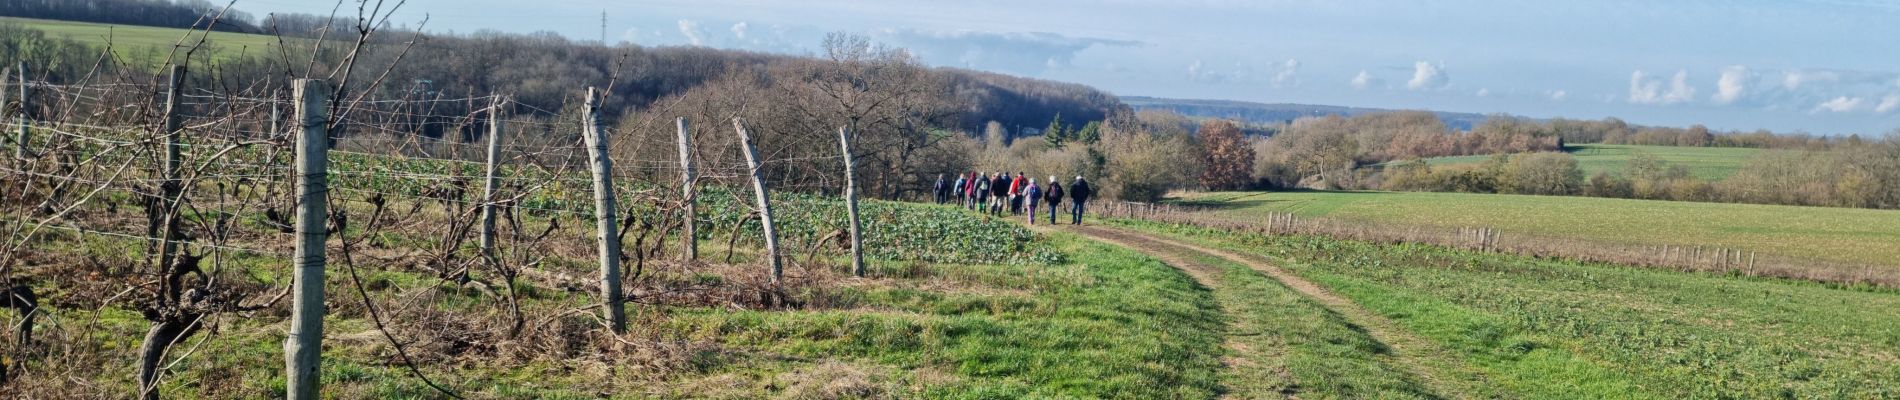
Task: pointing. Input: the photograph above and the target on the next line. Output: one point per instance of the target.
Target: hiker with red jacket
(1016, 194)
(969, 186)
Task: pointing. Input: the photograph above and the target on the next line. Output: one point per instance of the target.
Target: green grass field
(1710, 163)
(1831, 234)
(151, 45)
(1553, 329)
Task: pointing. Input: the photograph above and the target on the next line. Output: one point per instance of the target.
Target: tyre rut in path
(1205, 275)
(1407, 350)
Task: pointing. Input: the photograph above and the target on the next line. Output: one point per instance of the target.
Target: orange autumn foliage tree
(1227, 156)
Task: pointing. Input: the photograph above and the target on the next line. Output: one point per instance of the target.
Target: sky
(1819, 66)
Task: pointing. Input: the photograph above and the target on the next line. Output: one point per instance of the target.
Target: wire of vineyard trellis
(403, 170)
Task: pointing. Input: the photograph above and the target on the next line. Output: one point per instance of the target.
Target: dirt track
(1423, 358)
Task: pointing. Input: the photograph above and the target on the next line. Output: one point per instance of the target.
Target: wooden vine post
(24, 135)
(605, 218)
(303, 349)
(689, 186)
(488, 178)
(764, 199)
(851, 202)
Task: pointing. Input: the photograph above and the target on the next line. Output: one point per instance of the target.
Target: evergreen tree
(1055, 133)
(1090, 133)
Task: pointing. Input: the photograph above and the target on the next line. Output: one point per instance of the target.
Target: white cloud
(1647, 90)
(739, 29)
(1027, 53)
(1484, 92)
(1288, 75)
(1841, 104)
(1796, 79)
(1194, 70)
(1427, 75)
(1805, 90)
(1558, 95)
(1888, 104)
(690, 29)
(1365, 81)
(1731, 85)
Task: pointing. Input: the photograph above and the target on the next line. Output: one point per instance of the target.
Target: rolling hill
(1264, 113)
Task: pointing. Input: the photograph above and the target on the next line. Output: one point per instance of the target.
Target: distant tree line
(1861, 176)
(1323, 153)
(1615, 131)
(1386, 151)
(540, 69)
(910, 119)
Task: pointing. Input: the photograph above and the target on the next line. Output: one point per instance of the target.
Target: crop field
(1554, 329)
(146, 45)
(1818, 233)
(1708, 163)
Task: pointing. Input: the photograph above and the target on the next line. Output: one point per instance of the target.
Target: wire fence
(194, 190)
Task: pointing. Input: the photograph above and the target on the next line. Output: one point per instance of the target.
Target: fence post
(851, 202)
(489, 208)
(605, 219)
(164, 227)
(271, 131)
(304, 348)
(6, 75)
(688, 185)
(21, 137)
(171, 188)
(765, 204)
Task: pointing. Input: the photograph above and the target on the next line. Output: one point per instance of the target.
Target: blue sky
(1822, 66)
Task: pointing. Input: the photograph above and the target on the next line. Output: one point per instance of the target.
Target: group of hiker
(997, 193)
